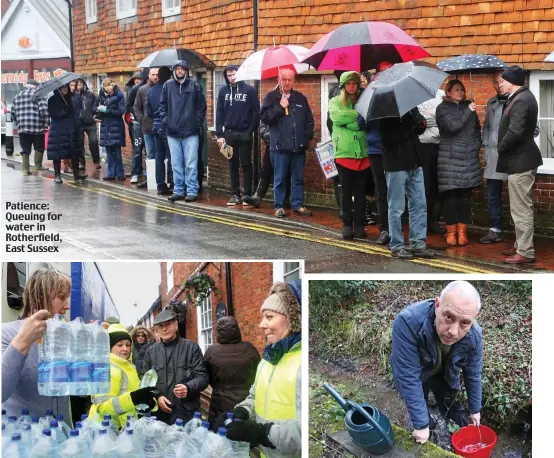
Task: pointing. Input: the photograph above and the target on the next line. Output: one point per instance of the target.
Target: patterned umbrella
(550, 57)
(266, 63)
(362, 45)
(468, 62)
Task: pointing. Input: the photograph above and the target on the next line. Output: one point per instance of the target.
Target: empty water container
(75, 446)
(103, 446)
(128, 445)
(15, 448)
(194, 422)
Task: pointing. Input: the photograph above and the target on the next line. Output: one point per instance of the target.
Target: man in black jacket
(404, 177)
(519, 157)
(182, 374)
(291, 127)
(87, 123)
(238, 115)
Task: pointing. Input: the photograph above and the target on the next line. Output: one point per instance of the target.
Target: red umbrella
(362, 45)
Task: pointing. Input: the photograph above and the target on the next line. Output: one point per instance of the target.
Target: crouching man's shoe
(518, 259)
(492, 237)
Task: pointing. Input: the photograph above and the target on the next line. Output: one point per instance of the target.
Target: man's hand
(221, 142)
(33, 328)
(164, 404)
(421, 435)
(284, 102)
(475, 419)
(181, 391)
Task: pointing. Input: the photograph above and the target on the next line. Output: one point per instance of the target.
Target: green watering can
(367, 426)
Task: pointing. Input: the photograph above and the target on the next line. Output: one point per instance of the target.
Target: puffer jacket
(63, 140)
(460, 141)
(112, 129)
(178, 362)
(415, 355)
(231, 365)
(349, 141)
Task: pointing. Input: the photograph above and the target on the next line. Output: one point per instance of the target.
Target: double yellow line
(272, 230)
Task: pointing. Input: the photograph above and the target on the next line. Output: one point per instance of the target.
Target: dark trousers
(29, 141)
(494, 200)
(457, 206)
(380, 181)
(428, 154)
(353, 183)
(138, 145)
(162, 153)
(242, 157)
(447, 399)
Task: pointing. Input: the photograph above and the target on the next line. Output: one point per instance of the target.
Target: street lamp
(136, 310)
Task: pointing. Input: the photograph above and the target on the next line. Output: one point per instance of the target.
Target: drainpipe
(70, 7)
(229, 287)
(257, 87)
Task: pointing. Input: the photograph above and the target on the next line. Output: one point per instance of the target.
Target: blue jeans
(494, 200)
(161, 152)
(149, 144)
(280, 162)
(184, 161)
(399, 185)
(115, 162)
(136, 158)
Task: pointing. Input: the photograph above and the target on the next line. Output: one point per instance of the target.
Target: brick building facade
(518, 32)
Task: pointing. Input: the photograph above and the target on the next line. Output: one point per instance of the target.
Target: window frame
(125, 14)
(325, 80)
(280, 271)
(91, 18)
(170, 11)
(534, 86)
(205, 333)
(215, 93)
(169, 274)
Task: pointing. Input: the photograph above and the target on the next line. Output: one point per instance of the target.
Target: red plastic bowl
(470, 435)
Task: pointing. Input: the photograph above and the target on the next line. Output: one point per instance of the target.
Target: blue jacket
(414, 355)
(112, 129)
(153, 105)
(182, 106)
(292, 133)
(372, 134)
(238, 107)
(63, 140)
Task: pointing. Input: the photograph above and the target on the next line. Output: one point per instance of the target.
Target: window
(205, 323)
(287, 271)
(169, 271)
(91, 9)
(125, 8)
(541, 84)
(171, 7)
(99, 78)
(219, 82)
(328, 84)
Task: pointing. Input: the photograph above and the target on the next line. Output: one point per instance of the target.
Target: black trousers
(380, 183)
(428, 155)
(353, 184)
(29, 141)
(447, 399)
(242, 158)
(457, 206)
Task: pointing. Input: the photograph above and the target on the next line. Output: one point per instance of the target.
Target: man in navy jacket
(432, 341)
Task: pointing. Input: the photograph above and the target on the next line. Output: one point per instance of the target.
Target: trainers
(384, 238)
(246, 201)
(402, 254)
(175, 197)
(190, 198)
(134, 179)
(142, 184)
(422, 253)
(233, 201)
(164, 192)
(492, 237)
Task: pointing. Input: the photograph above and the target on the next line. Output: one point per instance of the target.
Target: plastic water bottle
(103, 446)
(199, 436)
(15, 448)
(26, 437)
(128, 445)
(5, 437)
(194, 423)
(36, 430)
(43, 386)
(12, 426)
(111, 424)
(56, 371)
(74, 447)
(44, 422)
(63, 426)
(229, 419)
(81, 368)
(179, 425)
(25, 418)
(84, 434)
(100, 355)
(57, 432)
(111, 431)
(131, 420)
(154, 442)
(150, 379)
(46, 447)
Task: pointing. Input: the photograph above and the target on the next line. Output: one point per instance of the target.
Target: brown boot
(450, 236)
(462, 234)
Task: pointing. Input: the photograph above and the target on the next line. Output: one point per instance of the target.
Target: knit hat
(118, 333)
(283, 300)
(350, 76)
(515, 75)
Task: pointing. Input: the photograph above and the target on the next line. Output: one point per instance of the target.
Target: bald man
(432, 341)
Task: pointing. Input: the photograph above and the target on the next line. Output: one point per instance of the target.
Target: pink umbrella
(266, 63)
(362, 45)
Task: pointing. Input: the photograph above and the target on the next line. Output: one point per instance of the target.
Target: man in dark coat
(519, 157)
(432, 341)
(87, 99)
(231, 365)
(182, 374)
(291, 127)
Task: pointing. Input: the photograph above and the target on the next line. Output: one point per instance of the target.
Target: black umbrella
(167, 57)
(400, 88)
(43, 89)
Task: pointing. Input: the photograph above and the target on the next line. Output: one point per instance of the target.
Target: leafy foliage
(199, 287)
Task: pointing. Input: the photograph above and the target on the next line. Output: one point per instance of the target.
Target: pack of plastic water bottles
(48, 437)
(74, 358)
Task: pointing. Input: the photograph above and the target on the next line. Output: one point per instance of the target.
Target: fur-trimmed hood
(149, 335)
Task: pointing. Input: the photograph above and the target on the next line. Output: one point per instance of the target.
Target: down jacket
(414, 355)
(139, 350)
(63, 140)
(112, 129)
(460, 142)
(231, 365)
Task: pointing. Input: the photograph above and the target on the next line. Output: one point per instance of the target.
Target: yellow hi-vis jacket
(117, 402)
(276, 397)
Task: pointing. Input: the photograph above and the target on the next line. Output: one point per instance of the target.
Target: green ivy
(199, 287)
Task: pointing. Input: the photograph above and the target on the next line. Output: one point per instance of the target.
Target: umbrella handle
(287, 111)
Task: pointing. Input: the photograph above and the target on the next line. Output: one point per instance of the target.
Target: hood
(228, 331)
(350, 76)
(229, 67)
(180, 63)
(137, 74)
(164, 73)
(149, 335)
(85, 85)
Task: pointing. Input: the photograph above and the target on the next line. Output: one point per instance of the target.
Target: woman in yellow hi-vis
(271, 414)
(125, 392)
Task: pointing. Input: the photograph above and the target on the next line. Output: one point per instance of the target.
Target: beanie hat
(350, 76)
(515, 75)
(118, 333)
(282, 300)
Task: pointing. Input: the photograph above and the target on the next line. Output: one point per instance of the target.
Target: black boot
(338, 193)
(256, 199)
(57, 172)
(75, 166)
(433, 221)
(369, 219)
